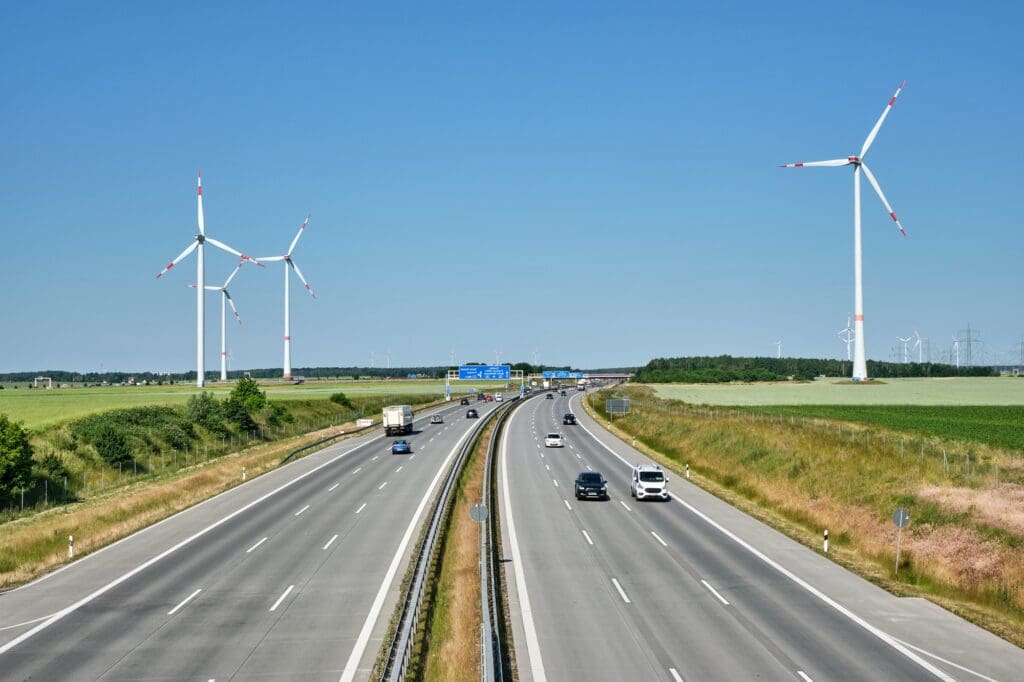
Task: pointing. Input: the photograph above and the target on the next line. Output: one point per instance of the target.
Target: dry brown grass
(32, 546)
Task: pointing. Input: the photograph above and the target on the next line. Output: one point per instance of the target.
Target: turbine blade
(268, 259)
(225, 247)
(298, 272)
(199, 201)
(233, 273)
(302, 228)
(885, 112)
(232, 304)
(190, 249)
(878, 190)
(832, 162)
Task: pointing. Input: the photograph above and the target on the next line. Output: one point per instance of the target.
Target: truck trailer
(397, 420)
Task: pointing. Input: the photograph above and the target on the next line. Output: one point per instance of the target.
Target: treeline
(725, 368)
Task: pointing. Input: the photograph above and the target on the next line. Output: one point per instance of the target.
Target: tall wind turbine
(199, 243)
(846, 336)
(290, 265)
(860, 369)
(778, 349)
(906, 357)
(225, 300)
(917, 345)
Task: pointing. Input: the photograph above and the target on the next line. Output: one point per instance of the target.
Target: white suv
(648, 481)
(554, 440)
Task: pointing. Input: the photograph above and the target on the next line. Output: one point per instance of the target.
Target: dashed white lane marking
(331, 541)
(374, 458)
(587, 536)
(256, 545)
(567, 505)
(588, 468)
(547, 467)
(331, 489)
(658, 538)
(571, 446)
(714, 592)
(578, 456)
(398, 469)
(281, 598)
(361, 508)
(675, 675)
(622, 593)
(625, 505)
(381, 486)
(542, 455)
(555, 482)
(538, 446)
(302, 510)
(183, 602)
(804, 676)
(357, 471)
(412, 457)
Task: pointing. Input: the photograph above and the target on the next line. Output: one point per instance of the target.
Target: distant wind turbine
(860, 370)
(846, 335)
(225, 300)
(778, 349)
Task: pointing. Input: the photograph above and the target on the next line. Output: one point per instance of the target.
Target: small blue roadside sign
(485, 372)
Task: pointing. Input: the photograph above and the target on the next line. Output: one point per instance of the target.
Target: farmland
(39, 408)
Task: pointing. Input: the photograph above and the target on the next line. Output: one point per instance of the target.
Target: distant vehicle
(591, 484)
(562, 392)
(438, 419)
(464, 401)
(648, 481)
(569, 419)
(498, 397)
(554, 440)
(397, 420)
(471, 414)
(481, 396)
(550, 396)
(401, 447)
(490, 398)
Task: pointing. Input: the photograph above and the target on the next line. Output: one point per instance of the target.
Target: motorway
(290, 576)
(693, 589)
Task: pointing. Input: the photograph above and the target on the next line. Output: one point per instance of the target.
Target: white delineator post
(826, 541)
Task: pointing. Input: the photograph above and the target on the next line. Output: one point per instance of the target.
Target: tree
(15, 456)
(249, 394)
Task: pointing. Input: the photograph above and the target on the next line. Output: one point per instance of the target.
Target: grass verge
(965, 546)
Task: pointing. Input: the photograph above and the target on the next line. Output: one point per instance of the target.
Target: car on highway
(401, 447)
(464, 401)
(554, 440)
(498, 397)
(562, 393)
(550, 396)
(480, 396)
(591, 484)
(489, 398)
(569, 419)
(471, 414)
(648, 482)
(437, 419)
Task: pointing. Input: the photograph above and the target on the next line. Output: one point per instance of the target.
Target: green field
(939, 391)
(41, 407)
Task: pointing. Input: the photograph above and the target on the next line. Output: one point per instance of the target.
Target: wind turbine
(778, 349)
(860, 369)
(846, 335)
(225, 300)
(199, 243)
(917, 345)
(906, 358)
(290, 265)
(956, 349)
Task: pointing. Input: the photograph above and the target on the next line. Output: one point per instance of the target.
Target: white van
(498, 397)
(648, 482)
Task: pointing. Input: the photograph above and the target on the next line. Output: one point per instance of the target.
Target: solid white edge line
(675, 675)
(714, 592)
(939, 658)
(361, 508)
(281, 598)
(256, 545)
(302, 510)
(183, 602)
(804, 676)
(331, 541)
(352, 666)
(149, 562)
(529, 628)
(587, 536)
(658, 538)
(880, 634)
(622, 592)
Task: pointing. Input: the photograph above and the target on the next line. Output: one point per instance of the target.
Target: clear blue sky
(594, 181)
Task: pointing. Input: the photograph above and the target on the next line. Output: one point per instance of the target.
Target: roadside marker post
(71, 546)
(826, 541)
(901, 517)
(687, 472)
(243, 473)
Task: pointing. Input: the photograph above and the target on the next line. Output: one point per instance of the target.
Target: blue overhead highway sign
(485, 372)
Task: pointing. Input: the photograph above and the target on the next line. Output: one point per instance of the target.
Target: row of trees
(725, 368)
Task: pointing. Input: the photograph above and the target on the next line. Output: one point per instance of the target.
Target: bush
(111, 445)
(236, 412)
(248, 392)
(341, 399)
(15, 456)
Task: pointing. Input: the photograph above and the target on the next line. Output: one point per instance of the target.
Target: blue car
(401, 447)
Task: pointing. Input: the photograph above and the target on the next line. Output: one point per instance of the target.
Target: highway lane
(289, 588)
(700, 605)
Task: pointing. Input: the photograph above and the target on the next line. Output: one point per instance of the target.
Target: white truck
(397, 420)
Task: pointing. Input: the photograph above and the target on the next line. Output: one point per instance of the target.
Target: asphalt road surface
(692, 589)
(291, 576)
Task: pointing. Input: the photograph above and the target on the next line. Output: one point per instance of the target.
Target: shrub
(111, 445)
(341, 399)
(248, 392)
(15, 456)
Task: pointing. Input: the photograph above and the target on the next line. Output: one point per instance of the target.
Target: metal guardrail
(400, 648)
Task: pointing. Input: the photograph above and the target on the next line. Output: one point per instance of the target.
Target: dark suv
(569, 419)
(464, 401)
(591, 484)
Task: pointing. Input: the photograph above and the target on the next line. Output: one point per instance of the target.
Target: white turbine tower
(956, 349)
(846, 336)
(290, 265)
(778, 349)
(860, 370)
(198, 243)
(225, 300)
(917, 345)
(906, 357)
